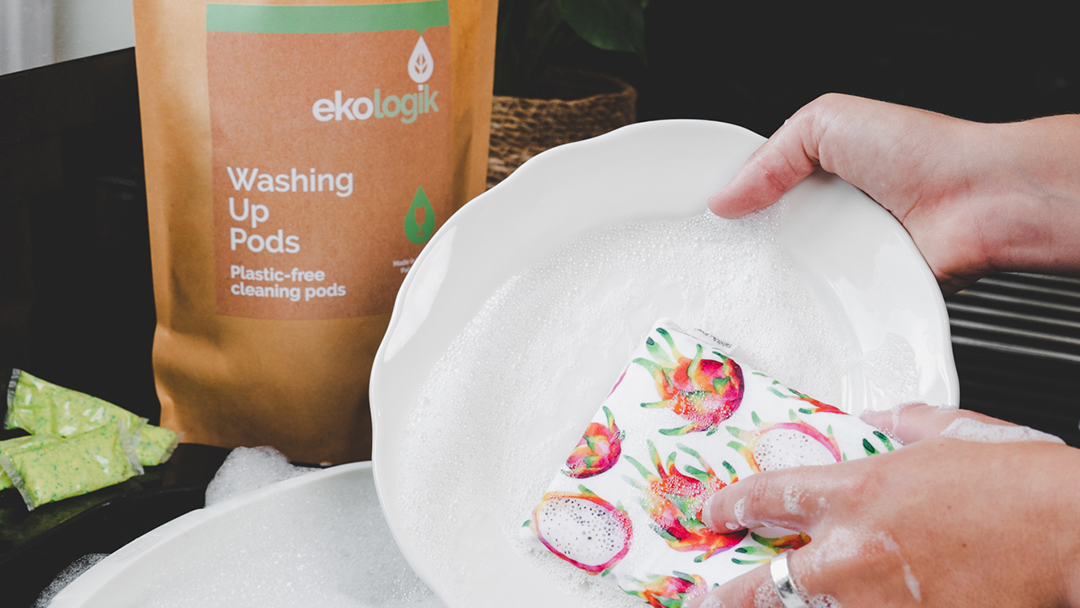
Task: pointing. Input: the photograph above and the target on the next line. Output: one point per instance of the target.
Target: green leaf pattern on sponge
(702, 390)
(674, 501)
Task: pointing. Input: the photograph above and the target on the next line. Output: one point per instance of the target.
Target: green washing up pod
(156, 445)
(43, 408)
(73, 466)
(21, 444)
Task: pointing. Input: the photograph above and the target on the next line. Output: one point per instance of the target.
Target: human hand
(976, 198)
(941, 522)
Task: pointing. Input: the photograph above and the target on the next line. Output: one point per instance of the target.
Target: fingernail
(713, 202)
(740, 510)
(706, 513)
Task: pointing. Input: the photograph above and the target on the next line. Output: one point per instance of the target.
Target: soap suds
(969, 429)
(767, 597)
(561, 333)
(793, 500)
(313, 549)
(740, 511)
(248, 469)
(912, 583)
(66, 576)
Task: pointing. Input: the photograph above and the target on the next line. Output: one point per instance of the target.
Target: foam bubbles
(912, 583)
(793, 500)
(571, 525)
(781, 448)
(66, 576)
(711, 601)
(561, 333)
(316, 549)
(248, 469)
(766, 596)
(970, 429)
(740, 511)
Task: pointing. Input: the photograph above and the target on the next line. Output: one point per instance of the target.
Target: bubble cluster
(510, 397)
(573, 526)
(969, 429)
(66, 576)
(248, 469)
(785, 448)
(314, 549)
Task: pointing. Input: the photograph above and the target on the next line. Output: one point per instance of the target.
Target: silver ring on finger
(785, 585)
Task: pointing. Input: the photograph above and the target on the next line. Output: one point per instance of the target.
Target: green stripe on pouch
(264, 19)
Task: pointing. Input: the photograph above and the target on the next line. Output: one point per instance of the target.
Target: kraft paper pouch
(70, 467)
(41, 407)
(683, 421)
(298, 156)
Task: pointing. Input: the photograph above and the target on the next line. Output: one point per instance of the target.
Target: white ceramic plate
(855, 258)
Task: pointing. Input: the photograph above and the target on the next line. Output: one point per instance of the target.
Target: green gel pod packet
(73, 466)
(43, 408)
(21, 444)
(156, 445)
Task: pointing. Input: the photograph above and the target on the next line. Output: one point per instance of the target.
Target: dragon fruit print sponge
(683, 421)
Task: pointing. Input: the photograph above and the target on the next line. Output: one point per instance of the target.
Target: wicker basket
(582, 105)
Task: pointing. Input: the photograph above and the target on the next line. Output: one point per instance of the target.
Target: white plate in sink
(855, 259)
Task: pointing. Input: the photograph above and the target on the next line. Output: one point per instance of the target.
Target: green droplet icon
(420, 219)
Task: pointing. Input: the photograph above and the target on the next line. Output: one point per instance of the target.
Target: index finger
(797, 498)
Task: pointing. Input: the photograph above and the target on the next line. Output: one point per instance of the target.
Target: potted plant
(537, 105)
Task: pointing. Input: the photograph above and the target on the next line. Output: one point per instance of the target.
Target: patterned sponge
(683, 421)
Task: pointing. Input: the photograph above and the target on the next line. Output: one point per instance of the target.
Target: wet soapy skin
(73, 466)
(969, 429)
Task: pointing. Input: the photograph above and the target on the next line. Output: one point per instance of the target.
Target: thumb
(788, 157)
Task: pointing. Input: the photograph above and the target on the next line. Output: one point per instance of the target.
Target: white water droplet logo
(421, 64)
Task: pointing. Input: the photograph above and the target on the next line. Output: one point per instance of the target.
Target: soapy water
(509, 399)
(766, 597)
(66, 576)
(296, 552)
(969, 429)
(310, 550)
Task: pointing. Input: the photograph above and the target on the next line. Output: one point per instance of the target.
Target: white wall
(39, 32)
(26, 34)
(91, 27)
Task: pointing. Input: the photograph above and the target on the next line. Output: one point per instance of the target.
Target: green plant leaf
(612, 25)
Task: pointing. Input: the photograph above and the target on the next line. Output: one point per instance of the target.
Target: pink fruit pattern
(701, 390)
(779, 445)
(674, 501)
(668, 591)
(770, 547)
(597, 451)
(583, 529)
